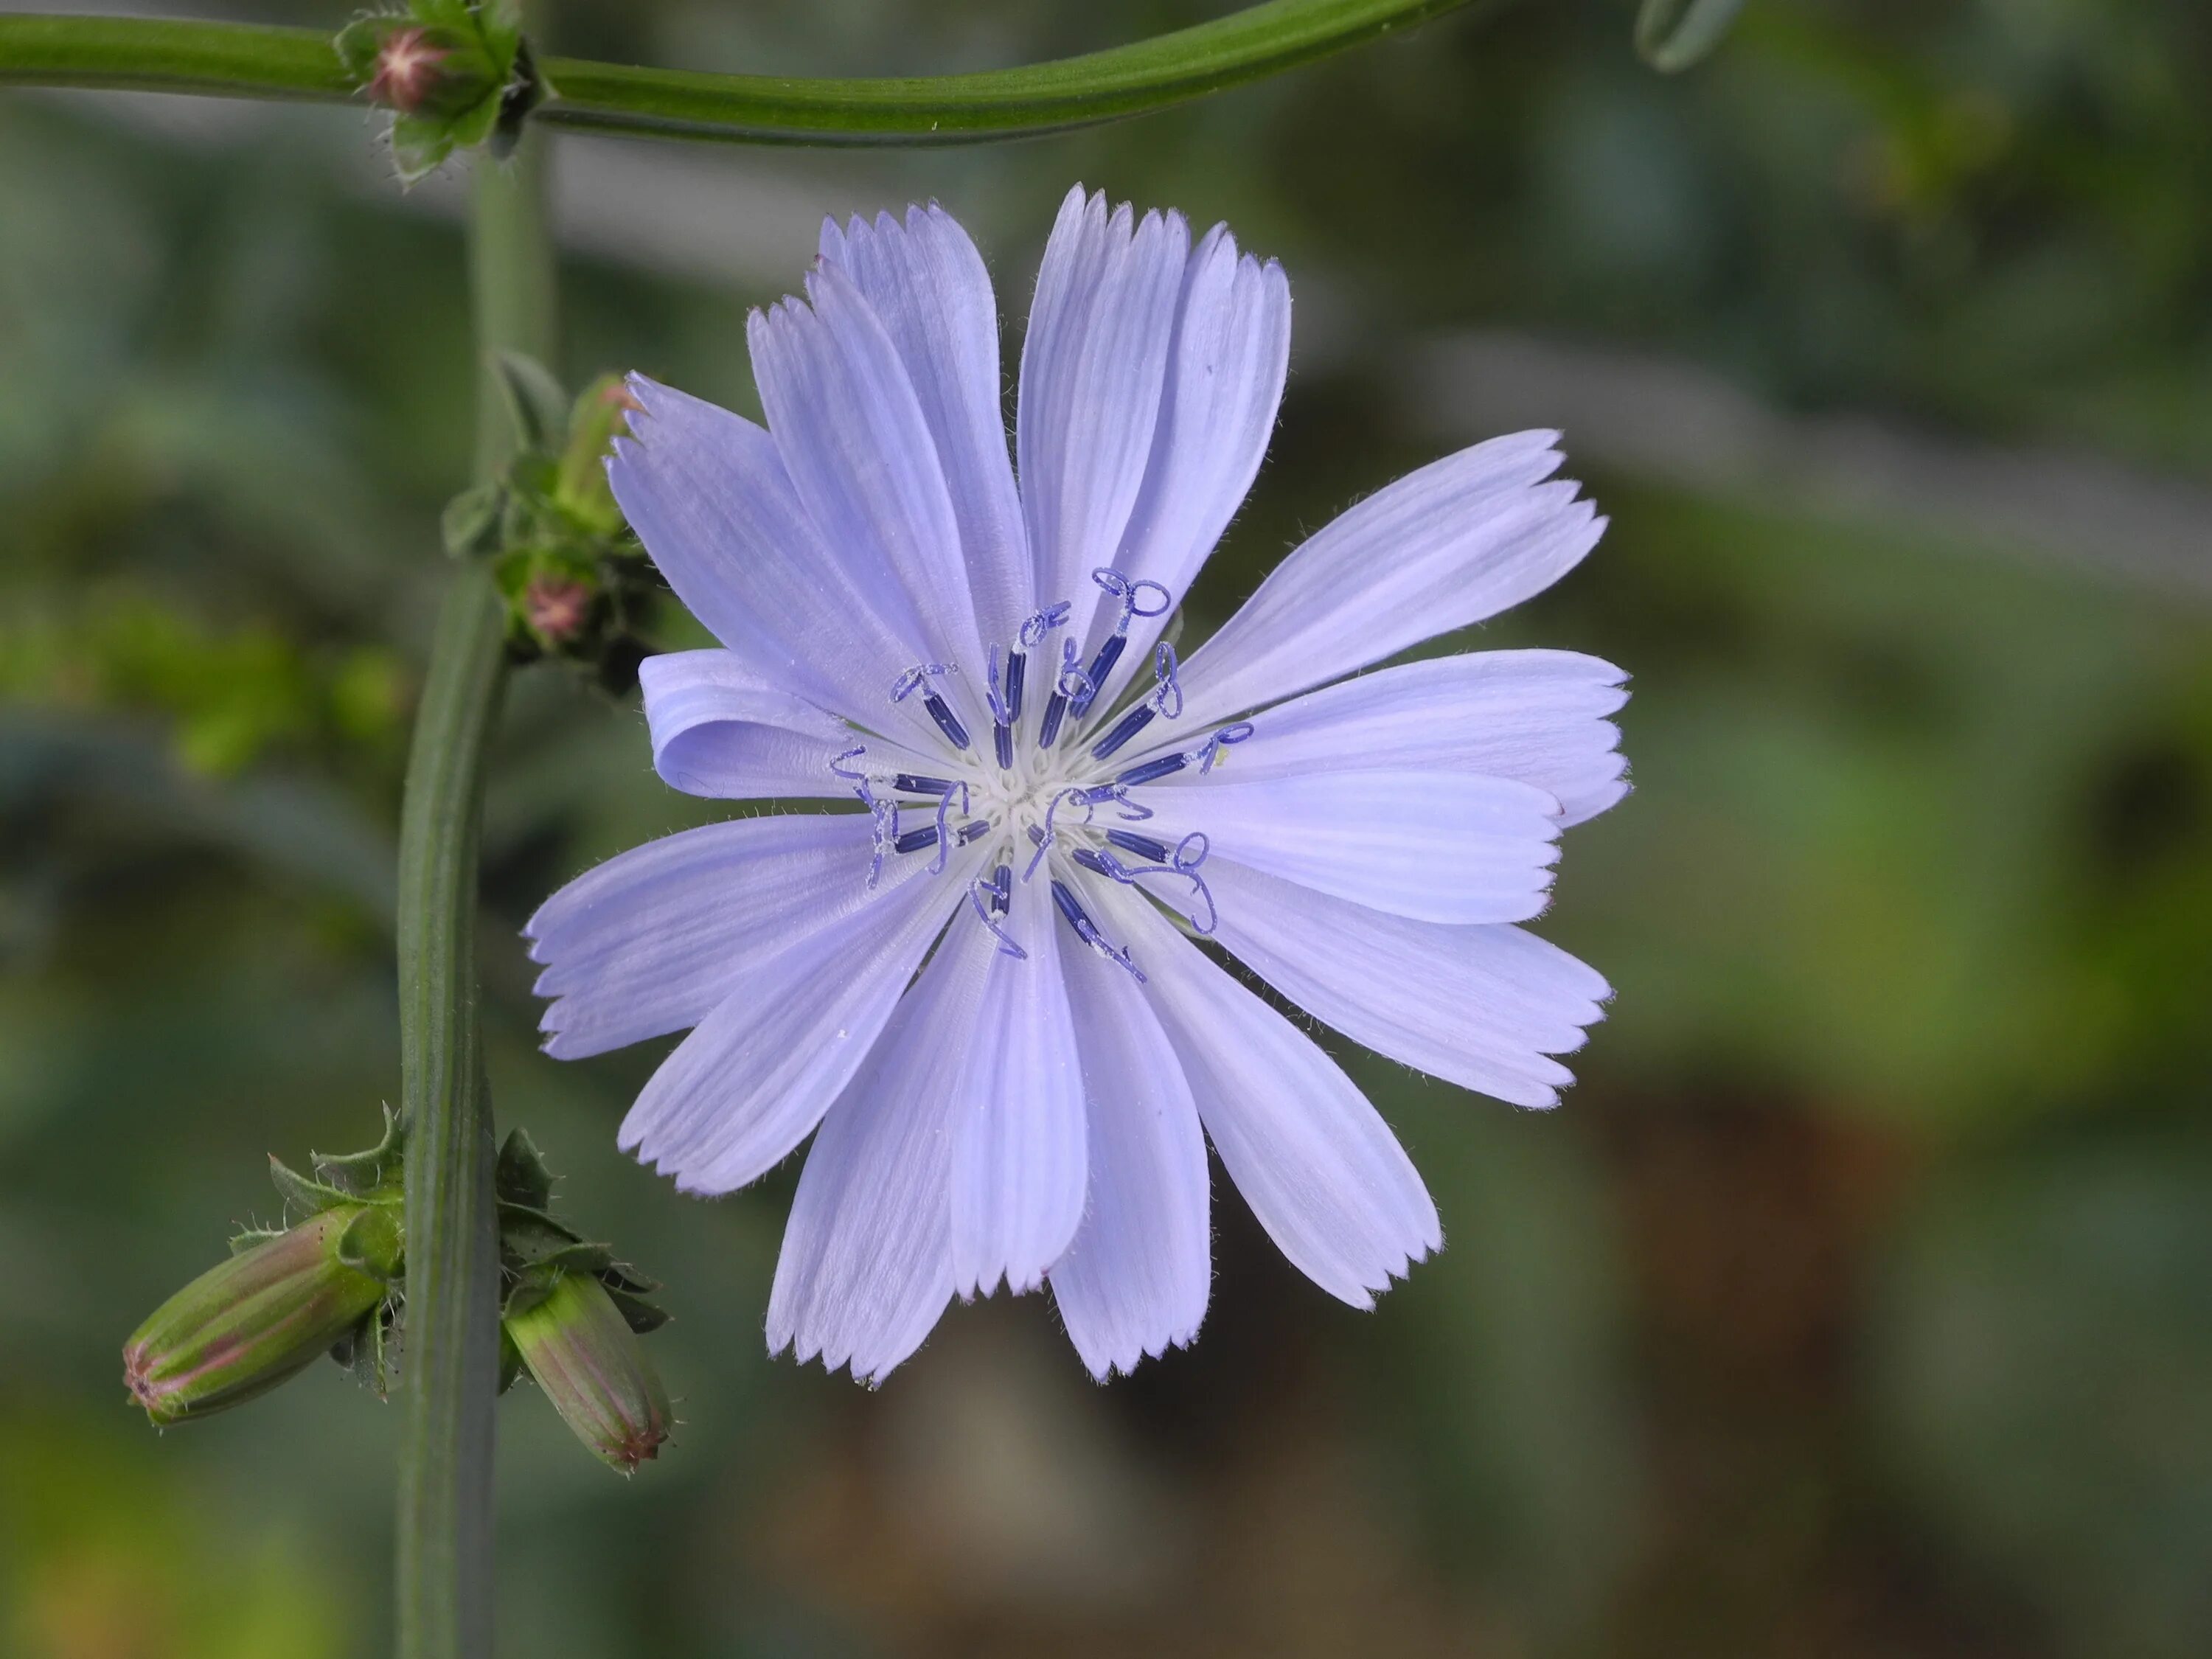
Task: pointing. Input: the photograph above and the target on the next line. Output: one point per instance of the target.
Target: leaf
(522, 1177)
(370, 1174)
(302, 1196)
(534, 399)
(1672, 35)
(470, 524)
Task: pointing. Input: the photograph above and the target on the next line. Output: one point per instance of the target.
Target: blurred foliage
(1853, 1304)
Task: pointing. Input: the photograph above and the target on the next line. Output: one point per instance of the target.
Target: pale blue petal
(1481, 1007)
(1536, 716)
(867, 1266)
(1018, 1149)
(650, 941)
(756, 1076)
(1320, 1169)
(1135, 1281)
(1440, 845)
(1224, 382)
(1093, 367)
(706, 493)
(926, 284)
(721, 731)
(859, 454)
(1460, 540)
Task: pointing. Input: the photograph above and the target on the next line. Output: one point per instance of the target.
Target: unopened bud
(580, 487)
(588, 1359)
(263, 1316)
(557, 607)
(418, 69)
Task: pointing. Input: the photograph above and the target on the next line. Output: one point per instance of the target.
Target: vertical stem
(444, 1522)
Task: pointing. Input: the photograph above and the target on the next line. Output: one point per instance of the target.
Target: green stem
(445, 1522)
(1100, 86)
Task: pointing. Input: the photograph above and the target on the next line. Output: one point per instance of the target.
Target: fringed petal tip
(1105, 1365)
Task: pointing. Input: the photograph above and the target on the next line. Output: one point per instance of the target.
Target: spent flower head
(985, 993)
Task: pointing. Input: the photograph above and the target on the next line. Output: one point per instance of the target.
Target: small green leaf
(1671, 35)
(419, 147)
(534, 399)
(522, 1177)
(304, 1197)
(470, 521)
(368, 1174)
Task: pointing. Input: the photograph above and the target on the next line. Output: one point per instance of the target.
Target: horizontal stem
(252, 62)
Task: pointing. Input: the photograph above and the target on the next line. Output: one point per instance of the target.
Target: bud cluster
(577, 586)
(455, 74)
(334, 1281)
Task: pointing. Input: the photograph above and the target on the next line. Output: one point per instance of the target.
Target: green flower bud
(263, 1316)
(582, 1352)
(581, 488)
(418, 69)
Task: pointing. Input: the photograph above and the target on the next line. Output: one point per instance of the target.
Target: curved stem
(1100, 86)
(445, 1521)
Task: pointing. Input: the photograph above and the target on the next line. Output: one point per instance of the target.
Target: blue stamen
(1002, 744)
(989, 914)
(1131, 594)
(1002, 889)
(1159, 766)
(944, 827)
(975, 831)
(1087, 930)
(947, 722)
(1167, 693)
(1125, 729)
(1042, 839)
(913, 785)
(1103, 664)
(917, 678)
(1210, 752)
(915, 839)
(1071, 685)
(1142, 846)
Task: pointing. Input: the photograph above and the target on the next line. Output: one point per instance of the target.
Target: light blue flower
(981, 993)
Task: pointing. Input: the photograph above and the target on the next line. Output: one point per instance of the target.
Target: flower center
(1048, 799)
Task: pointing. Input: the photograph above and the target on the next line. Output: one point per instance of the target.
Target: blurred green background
(1858, 1302)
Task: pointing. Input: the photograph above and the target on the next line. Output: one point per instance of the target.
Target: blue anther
(1002, 889)
(917, 678)
(1103, 664)
(1124, 729)
(947, 722)
(992, 670)
(1002, 744)
(988, 913)
(1090, 860)
(1017, 673)
(1142, 846)
(975, 831)
(908, 783)
(915, 839)
(1159, 766)
(1087, 930)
